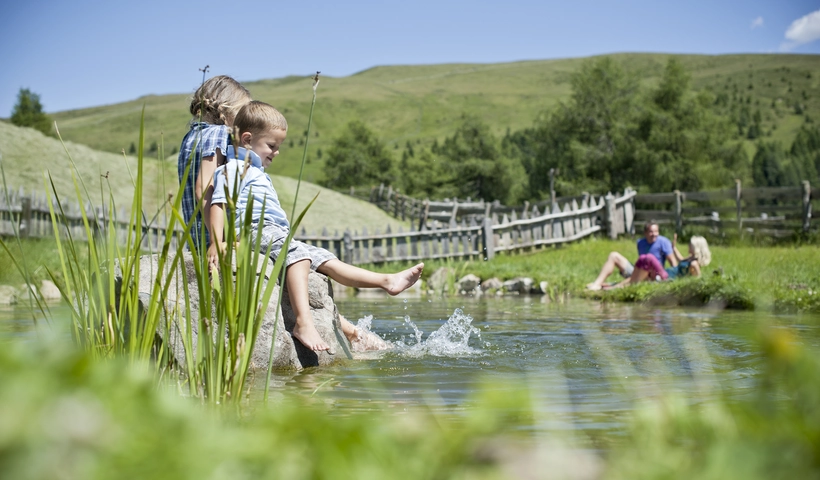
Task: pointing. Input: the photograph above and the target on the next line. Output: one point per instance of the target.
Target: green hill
(423, 103)
(27, 155)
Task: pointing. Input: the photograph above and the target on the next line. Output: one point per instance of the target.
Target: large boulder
(288, 353)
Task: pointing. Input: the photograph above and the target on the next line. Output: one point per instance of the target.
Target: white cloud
(805, 29)
(757, 22)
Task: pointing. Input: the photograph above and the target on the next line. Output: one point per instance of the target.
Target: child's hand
(213, 254)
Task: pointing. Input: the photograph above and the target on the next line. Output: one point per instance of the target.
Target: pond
(584, 363)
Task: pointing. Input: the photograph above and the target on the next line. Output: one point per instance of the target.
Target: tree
(767, 165)
(28, 112)
(356, 158)
(475, 162)
(613, 134)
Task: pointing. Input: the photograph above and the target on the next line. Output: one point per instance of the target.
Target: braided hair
(218, 100)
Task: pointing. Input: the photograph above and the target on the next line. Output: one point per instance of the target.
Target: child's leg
(304, 330)
(350, 276)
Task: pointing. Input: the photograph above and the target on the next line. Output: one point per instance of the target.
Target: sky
(84, 53)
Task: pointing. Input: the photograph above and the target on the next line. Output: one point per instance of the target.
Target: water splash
(450, 340)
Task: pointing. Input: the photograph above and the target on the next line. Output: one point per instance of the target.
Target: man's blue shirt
(660, 248)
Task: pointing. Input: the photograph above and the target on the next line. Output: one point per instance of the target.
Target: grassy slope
(332, 210)
(422, 103)
(28, 155)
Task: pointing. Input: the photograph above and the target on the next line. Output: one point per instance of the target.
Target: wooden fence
(775, 211)
(29, 216)
(424, 212)
(471, 239)
(470, 232)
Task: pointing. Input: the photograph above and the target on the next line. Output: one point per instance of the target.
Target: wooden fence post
(489, 247)
(806, 206)
(347, 245)
(609, 215)
(24, 222)
(552, 187)
(739, 208)
(678, 213)
(424, 212)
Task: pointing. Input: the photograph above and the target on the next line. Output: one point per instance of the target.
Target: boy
(261, 131)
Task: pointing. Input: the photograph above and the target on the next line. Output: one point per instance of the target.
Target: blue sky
(88, 53)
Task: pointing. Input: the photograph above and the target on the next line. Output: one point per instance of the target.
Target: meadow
(422, 104)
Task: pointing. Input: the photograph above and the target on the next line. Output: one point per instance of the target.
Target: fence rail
(776, 211)
(29, 216)
(495, 233)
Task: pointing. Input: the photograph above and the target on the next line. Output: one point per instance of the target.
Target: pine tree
(28, 112)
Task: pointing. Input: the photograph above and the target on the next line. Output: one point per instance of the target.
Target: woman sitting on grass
(648, 268)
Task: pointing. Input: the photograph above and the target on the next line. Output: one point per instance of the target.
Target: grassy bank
(740, 276)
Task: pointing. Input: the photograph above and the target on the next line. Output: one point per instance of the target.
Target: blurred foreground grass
(65, 415)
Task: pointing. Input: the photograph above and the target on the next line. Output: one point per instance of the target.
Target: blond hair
(700, 249)
(258, 118)
(218, 100)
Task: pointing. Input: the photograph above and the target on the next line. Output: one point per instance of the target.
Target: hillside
(423, 103)
(24, 167)
(28, 156)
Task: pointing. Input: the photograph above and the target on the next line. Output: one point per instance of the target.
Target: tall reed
(111, 317)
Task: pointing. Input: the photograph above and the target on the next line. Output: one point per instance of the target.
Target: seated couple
(653, 250)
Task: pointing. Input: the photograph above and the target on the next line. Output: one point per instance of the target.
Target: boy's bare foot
(403, 280)
(593, 286)
(310, 338)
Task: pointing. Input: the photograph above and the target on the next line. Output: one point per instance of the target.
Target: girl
(213, 108)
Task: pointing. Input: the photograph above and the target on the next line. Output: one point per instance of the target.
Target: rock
(540, 289)
(521, 285)
(468, 284)
(49, 291)
(287, 352)
(8, 295)
(491, 284)
(437, 283)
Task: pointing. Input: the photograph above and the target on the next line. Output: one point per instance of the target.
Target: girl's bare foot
(593, 286)
(369, 341)
(309, 337)
(351, 332)
(361, 341)
(399, 282)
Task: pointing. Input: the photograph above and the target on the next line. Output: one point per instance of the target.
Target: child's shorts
(273, 238)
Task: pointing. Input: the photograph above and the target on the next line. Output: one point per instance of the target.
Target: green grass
(423, 103)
